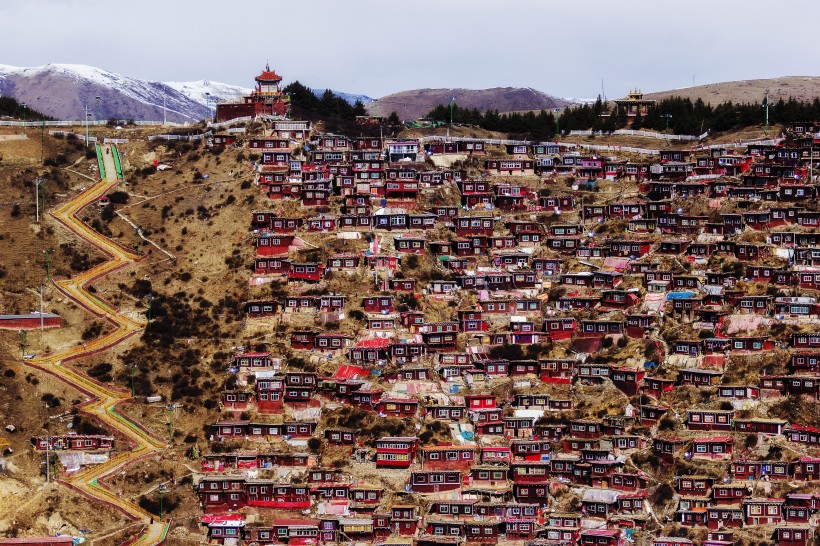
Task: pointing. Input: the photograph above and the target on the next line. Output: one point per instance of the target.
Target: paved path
(103, 398)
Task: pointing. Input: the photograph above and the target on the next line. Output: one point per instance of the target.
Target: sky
(572, 48)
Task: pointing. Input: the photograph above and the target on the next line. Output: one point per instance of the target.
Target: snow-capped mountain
(349, 97)
(198, 91)
(64, 90)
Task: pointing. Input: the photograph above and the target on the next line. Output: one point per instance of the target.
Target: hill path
(103, 399)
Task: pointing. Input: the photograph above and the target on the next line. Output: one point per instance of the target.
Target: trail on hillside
(103, 399)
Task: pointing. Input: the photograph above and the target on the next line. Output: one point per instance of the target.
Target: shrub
(314, 444)
(101, 371)
(51, 400)
(118, 197)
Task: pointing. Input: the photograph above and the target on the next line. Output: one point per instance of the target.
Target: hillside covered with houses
(483, 341)
(523, 342)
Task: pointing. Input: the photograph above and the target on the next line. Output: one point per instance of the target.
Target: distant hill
(417, 103)
(802, 88)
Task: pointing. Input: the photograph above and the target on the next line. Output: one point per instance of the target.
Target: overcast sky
(376, 47)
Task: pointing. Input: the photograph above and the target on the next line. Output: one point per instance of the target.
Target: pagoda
(267, 99)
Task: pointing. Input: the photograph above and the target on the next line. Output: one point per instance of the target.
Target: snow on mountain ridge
(220, 91)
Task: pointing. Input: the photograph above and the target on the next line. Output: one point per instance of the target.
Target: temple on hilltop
(266, 99)
(634, 104)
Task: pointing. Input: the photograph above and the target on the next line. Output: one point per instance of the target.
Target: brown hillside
(802, 88)
(416, 103)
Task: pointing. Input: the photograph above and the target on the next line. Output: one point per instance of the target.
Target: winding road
(103, 399)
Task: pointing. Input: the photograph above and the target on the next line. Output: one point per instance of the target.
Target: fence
(76, 123)
(740, 144)
(180, 137)
(115, 140)
(608, 148)
(495, 141)
(644, 134)
(67, 134)
(220, 124)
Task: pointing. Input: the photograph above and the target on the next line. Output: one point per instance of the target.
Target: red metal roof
(269, 75)
(374, 343)
(350, 372)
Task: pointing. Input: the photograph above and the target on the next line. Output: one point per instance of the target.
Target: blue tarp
(679, 295)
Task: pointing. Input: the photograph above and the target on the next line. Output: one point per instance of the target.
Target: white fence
(220, 124)
(115, 140)
(607, 148)
(644, 134)
(742, 143)
(67, 134)
(235, 130)
(495, 141)
(77, 123)
(180, 137)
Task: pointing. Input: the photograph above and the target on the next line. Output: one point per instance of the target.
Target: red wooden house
(273, 245)
(715, 447)
(396, 451)
(707, 419)
(460, 457)
(763, 511)
(434, 481)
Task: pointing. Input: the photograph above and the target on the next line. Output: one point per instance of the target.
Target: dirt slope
(803, 88)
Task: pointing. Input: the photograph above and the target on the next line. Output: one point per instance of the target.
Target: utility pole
(150, 307)
(164, 110)
(47, 253)
(452, 99)
(668, 117)
(133, 369)
(37, 198)
(42, 327)
(161, 491)
(87, 115)
(96, 109)
(170, 423)
(25, 130)
(48, 459)
(139, 239)
(43, 142)
(766, 107)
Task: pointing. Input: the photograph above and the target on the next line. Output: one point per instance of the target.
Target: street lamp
(161, 491)
(87, 116)
(133, 369)
(170, 421)
(37, 181)
(25, 130)
(668, 117)
(139, 239)
(150, 307)
(97, 108)
(208, 105)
